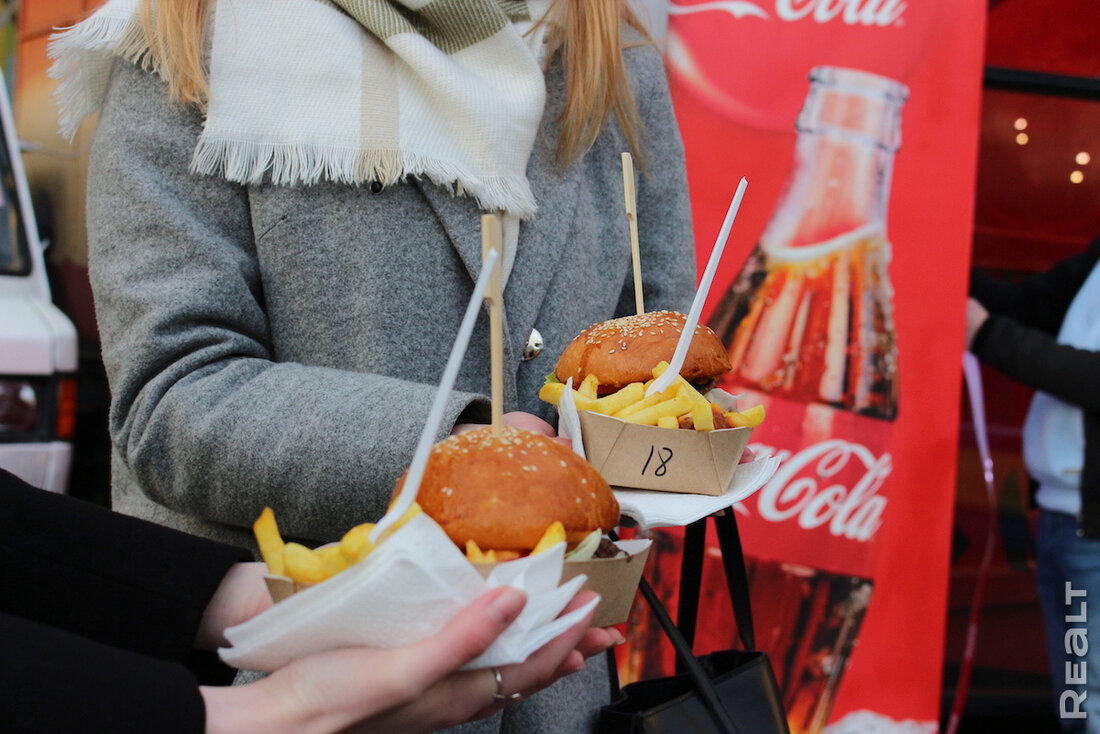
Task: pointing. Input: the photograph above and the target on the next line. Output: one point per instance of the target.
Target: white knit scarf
(349, 91)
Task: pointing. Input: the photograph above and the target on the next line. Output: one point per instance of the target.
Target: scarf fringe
(83, 55)
(283, 164)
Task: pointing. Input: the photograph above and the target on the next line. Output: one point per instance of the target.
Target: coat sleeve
(665, 237)
(1020, 336)
(204, 414)
(1039, 301)
(1035, 358)
(56, 681)
(110, 578)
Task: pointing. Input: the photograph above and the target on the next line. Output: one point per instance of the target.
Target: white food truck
(38, 343)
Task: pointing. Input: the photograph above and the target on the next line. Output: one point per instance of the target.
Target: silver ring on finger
(500, 696)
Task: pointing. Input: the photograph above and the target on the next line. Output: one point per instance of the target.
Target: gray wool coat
(280, 346)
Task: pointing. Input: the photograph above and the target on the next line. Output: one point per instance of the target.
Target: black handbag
(729, 691)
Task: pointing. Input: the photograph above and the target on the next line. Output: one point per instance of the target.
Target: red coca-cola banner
(841, 300)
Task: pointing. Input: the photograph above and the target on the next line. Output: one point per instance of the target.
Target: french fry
(616, 401)
(356, 544)
(702, 416)
(679, 386)
(680, 406)
(332, 559)
(649, 416)
(474, 554)
(750, 417)
(413, 511)
(689, 391)
(551, 393)
(271, 543)
(589, 387)
(641, 404)
(302, 564)
(306, 566)
(554, 534)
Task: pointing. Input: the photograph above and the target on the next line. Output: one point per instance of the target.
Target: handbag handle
(737, 580)
(703, 684)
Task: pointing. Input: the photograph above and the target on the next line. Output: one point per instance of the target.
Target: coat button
(533, 348)
(376, 187)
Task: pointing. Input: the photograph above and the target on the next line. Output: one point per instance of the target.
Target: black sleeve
(55, 681)
(115, 579)
(1041, 300)
(1034, 358)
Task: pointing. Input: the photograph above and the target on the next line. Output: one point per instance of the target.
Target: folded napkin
(667, 509)
(409, 588)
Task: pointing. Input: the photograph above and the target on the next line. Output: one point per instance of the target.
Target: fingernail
(506, 607)
(619, 639)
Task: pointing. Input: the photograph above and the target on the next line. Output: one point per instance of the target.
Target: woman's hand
(416, 688)
(241, 595)
(975, 317)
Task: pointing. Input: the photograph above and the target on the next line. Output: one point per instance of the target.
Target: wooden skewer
(632, 217)
(491, 240)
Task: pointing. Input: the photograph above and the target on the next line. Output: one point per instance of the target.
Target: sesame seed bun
(503, 491)
(626, 350)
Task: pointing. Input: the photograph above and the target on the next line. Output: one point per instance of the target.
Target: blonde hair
(596, 83)
(174, 31)
(589, 40)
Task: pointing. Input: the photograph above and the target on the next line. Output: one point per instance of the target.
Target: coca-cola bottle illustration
(810, 316)
(807, 619)
(810, 628)
(809, 325)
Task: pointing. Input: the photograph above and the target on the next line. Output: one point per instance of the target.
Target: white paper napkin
(569, 423)
(671, 509)
(407, 589)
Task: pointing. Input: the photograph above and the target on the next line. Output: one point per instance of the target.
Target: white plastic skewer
(632, 217)
(663, 382)
(439, 404)
(491, 241)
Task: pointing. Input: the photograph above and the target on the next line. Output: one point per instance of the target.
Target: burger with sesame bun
(503, 491)
(626, 350)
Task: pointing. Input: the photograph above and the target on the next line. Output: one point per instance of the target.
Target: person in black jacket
(1045, 333)
(101, 613)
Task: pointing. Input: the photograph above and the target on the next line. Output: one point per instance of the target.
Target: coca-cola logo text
(801, 488)
(880, 13)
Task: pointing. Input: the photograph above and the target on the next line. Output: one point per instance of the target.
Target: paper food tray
(614, 579)
(662, 459)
